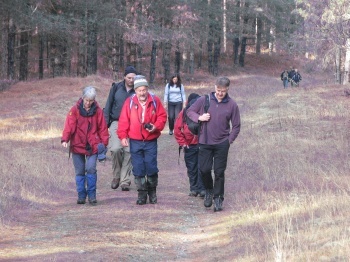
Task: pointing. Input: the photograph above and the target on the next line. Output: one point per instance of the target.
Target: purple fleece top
(221, 115)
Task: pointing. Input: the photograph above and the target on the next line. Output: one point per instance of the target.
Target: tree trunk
(200, 53)
(235, 50)
(259, 28)
(11, 50)
(3, 49)
(81, 29)
(347, 62)
(177, 57)
(338, 65)
(91, 43)
(191, 62)
(23, 57)
(152, 72)
(131, 54)
(139, 58)
(217, 47)
(166, 60)
(243, 49)
(41, 56)
(210, 55)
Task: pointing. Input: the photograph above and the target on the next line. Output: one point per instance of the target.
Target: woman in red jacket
(189, 142)
(141, 120)
(86, 130)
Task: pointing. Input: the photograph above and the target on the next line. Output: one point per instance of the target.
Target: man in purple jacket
(215, 138)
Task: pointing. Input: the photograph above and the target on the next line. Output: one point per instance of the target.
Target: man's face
(220, 92)
(129, 80)
(142, 93)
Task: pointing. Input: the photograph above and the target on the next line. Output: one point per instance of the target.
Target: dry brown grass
(287, 186)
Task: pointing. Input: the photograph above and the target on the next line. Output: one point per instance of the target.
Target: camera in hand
(147, 126)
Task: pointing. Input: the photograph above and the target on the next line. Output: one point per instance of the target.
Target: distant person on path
(121, 162)
(215, 139)
(174, 99)
(86, 130)
(285, 78)
(295, 78)
(141, 120)
(189, 143)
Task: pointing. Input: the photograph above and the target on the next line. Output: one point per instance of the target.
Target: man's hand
(152, 129)
(204, 118)
(124, 142)
(64, 144)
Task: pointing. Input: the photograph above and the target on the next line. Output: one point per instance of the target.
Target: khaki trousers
(121, 158)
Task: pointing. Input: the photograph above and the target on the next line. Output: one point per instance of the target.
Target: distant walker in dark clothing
(215, 139)
(295, 78)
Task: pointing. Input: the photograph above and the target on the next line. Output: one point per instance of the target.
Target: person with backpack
(121, 162)
(285, 78)
(174, 99)
(220, 126)
(86, 130)
(141, 121)
(189, 142)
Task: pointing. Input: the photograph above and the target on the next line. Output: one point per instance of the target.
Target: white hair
(89, 92)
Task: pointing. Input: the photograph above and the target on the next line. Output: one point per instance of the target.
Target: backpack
(194, 127)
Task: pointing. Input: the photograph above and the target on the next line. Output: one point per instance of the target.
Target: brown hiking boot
(115, 183)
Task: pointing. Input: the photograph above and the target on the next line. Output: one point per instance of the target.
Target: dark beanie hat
(191, 97)
(130, 69)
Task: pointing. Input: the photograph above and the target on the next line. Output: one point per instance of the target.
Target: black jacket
(116, 98)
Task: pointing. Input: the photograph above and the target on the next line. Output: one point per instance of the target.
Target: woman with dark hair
(174, 99)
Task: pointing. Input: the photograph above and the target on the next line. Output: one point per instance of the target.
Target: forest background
(50, 38)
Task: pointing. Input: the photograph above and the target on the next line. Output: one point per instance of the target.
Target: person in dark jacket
(121, 162)
(189, 143)
(295, 78)
(86, 130)
(215, 138)
(285, 78)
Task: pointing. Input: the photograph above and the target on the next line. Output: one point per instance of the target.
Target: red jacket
(183, 135)
(83, 130)
(130, 125)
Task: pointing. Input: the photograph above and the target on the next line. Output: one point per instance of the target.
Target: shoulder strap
(207, 103)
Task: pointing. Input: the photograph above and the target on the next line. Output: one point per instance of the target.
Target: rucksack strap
(153, 100)
(206, 107)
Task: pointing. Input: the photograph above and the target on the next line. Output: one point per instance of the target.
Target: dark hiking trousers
(191, 160)
(173, 111)
(213, 156)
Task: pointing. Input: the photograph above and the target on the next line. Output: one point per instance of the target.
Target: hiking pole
(178, 160)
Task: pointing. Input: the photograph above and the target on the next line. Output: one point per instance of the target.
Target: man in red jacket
(189, 142)
(141, 120)
(86, 130)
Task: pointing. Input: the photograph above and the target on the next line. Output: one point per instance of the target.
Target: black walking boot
(152, 183)
(218, 204)
(208, 198)
(141, 185)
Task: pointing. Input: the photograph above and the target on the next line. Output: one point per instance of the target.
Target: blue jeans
(191, 160)
(85, 175)
(144, 157)
(285, 83)
(213, 156)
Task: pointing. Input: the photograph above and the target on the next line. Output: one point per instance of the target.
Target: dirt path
(177, 228)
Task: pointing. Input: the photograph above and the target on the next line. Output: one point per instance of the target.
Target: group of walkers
(129, 127)
(291, 76)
